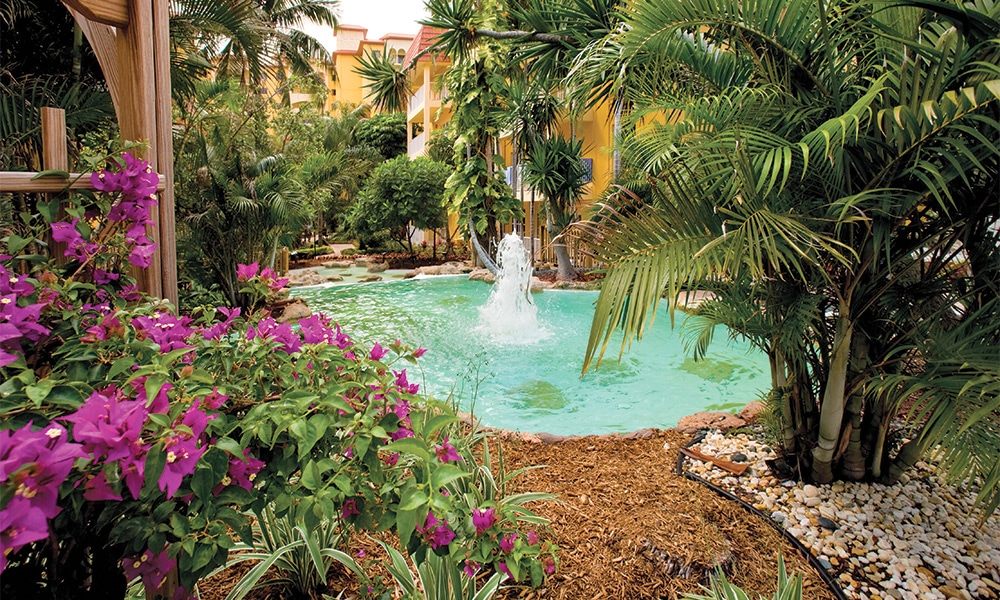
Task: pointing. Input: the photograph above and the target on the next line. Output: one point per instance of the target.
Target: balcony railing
(415, 147)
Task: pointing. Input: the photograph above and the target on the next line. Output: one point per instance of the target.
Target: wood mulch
(627, 526)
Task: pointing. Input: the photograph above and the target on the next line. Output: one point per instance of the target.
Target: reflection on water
(535, 385)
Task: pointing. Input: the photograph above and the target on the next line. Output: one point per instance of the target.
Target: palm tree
(821, 170)
(555, 168)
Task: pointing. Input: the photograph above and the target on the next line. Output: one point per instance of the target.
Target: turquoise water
(536, 386)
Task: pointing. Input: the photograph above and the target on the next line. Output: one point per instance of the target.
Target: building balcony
(425, 98)
(415, 147)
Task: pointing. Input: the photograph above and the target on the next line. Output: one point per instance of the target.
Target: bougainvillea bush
(135, 442)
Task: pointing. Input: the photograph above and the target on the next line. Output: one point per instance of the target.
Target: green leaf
(39, 391)
(203, 555)
(312, 479)
(51, 173)
(16, 243)
(202, 483)
(406, 523)
(156, 460)
(120, 366)
(412, 499)
(410, 446)
(230, 445)
(445, 474)
(435, 424)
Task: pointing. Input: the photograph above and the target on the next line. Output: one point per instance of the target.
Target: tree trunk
(832, 409)
(564, 266)
(854, 460)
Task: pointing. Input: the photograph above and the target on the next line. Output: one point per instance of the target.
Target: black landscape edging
(823, 573)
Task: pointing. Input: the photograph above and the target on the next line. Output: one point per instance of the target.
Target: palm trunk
(564, 266)
(779, 387)
(854, 460)
(833, 407)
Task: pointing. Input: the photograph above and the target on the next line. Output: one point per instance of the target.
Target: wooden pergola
(131, 39)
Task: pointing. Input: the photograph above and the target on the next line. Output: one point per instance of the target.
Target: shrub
(134, 440)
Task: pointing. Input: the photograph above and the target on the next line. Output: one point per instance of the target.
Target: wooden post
(165, 151)
(54, 158)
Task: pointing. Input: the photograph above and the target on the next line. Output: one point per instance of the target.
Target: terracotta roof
(352, 27)
(421, 42)
(398, 36)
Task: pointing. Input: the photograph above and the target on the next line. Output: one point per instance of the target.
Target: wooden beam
(102, 39)
(54, 153)
(137, 117)
(165, 150)
(19, 181)
(108, 12)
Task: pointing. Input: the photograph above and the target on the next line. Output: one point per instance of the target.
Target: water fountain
(509, 314)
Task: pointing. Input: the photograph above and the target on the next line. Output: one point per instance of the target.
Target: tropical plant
(384, 132)
(440, 579)
(555, 169)
(825, 176)
(401, 194)
(789, 588)
(302, 558)
(389, 88)
(135, 440)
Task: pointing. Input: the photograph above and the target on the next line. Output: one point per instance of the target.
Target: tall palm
(833, 162)
(554, 167)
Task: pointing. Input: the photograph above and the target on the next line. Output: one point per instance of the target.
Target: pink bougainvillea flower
(269, 329)
(419, 352)
(168, 331)
(349, 509)
(243, 472)
(141, 254)
(435, 532)
(507, 542)
(109, 327)
(400, 433)
(217, 330)
(183, 453)
(247, 272)
(390, 459)
(502, 567)
(108, 424)
(152, 568)
(35, 462)
(97, 488)
(214, 400)
(76, 247)
(404, 385)
(315, 329)
(446, 452)
(14, 284)
(269, 278)
(470, 568)
(549, 564)
(483, 519)
(532, 537)
(20, 523)
(377, 352)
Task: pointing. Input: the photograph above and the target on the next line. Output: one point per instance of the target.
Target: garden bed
(627, 525)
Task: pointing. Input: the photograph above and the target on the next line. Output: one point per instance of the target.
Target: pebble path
(919, 539)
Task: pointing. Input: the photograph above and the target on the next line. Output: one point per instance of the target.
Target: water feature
(535, 384)
(509, 315)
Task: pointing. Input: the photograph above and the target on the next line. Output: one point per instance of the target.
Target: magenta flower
(14, 284)
(435, 532)
(243, 472)
(507, 542)
(151, 568)
(20, 523)
(470, 569)
(400, 433)
(168, 331)
(182, 456)
(76, 247)
(283, 333)
(419, 352)
(269, 278)
(97, 488)
(349, 509)
(102, 277)
(483, 519)
(390, 459)
(141, 254)
(532, 537)
(36, 462)
(404, 385)
(446, 452)
(502, 567)
(247, 272)
(315, 329)
(214, 400)
(549, 564)
(16, 324)
(109, 327)
(217, 330)
(377, 352)
(109, 425)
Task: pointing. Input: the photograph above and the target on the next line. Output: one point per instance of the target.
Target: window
(400, 55)
(377, 54)
(588, 170)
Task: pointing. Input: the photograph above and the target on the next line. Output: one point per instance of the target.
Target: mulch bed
(627, 526)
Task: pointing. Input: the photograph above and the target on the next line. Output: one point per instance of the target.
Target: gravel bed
(919, 539)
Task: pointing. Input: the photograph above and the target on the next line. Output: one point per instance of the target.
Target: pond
(532, 383)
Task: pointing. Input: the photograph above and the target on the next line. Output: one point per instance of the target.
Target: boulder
(304, 277)
(293, 311)
(709, 420)
(361, 261)
(751, 411)
(538, 286)
(334, 278)
(482, 275)
(411, 274)
(370, 278)
(377, 267)
(338, 264)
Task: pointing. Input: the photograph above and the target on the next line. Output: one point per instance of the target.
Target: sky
(379, 16)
